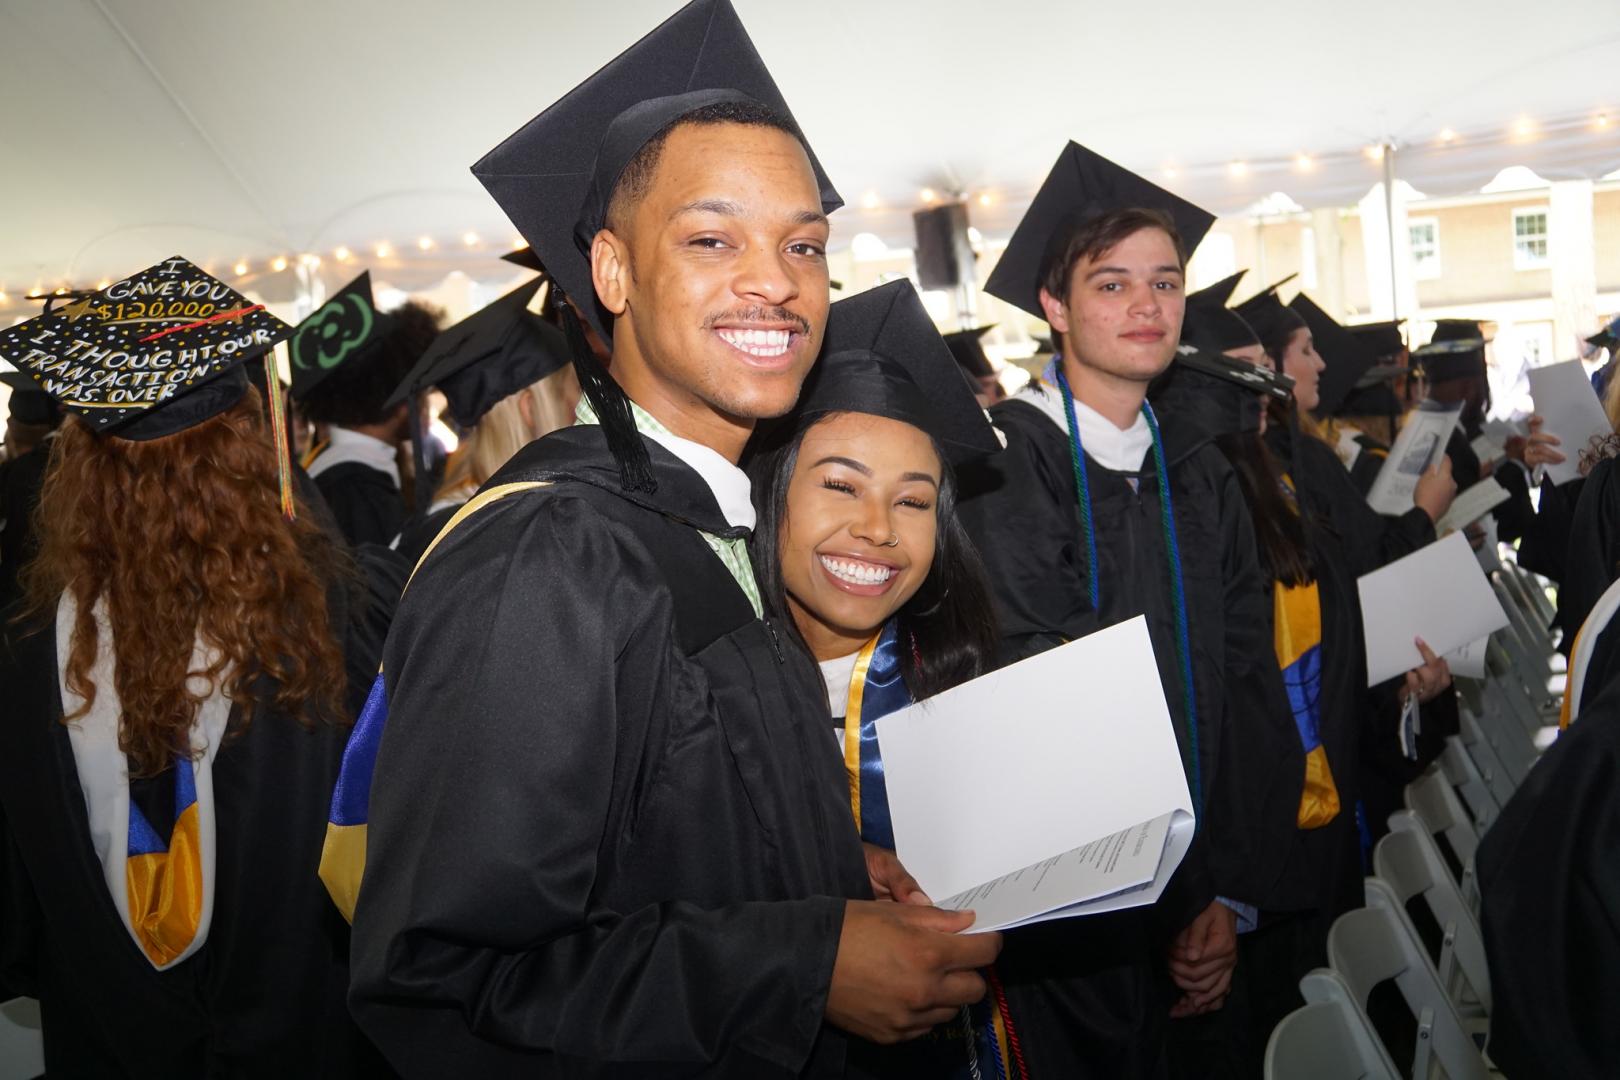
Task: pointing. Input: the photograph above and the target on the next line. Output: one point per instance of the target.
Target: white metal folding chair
(1407, 861)
(1480, 751)
(1469, 784)
(1329, 1038)
(22, 1043)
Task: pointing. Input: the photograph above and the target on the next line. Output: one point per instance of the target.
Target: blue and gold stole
(1298, 640)
(165, 881)
(987, 1044)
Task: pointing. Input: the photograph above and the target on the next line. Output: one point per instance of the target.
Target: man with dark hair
(606, 835)
(32, 421)
(347, 358)
(1095, 514)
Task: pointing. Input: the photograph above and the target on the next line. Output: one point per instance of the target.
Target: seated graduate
(1549, 884)
(346, 360)
(29, 429)
(507, 380)
(862, 558)
(175, 684)
(1093, 515)
(606, 833)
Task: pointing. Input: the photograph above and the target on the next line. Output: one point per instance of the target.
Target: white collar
(344, 446)
(838, 673)
(1119, 451)
(728, 484)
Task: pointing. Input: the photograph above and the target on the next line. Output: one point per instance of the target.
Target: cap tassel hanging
(278, 434)
(612, 409)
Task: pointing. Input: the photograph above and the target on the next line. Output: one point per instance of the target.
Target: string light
(278, 264)
(4, 299)
(1375, 153)
(986, 199)
(1237, 169)
(1602, 121)
(425, 243)
(870, 200)
(61, 290)
(518, 243)
(342, 254)
(384, 251)
(1303, 162)
(470, 239)
(929, 196)
(241, 269)
(1170, 172)
(1524, 127)
(310, 261)
(104, 283)
(1447, 135)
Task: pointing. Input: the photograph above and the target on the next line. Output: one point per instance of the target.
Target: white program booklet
(1437, 593)
(1471, 505)
(1049, 789)
(1418, 448)
(1569, 409)
(1469, 661)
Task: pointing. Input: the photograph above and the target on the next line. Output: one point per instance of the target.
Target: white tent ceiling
(226, 130)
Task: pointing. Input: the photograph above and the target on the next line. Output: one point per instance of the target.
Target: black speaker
(944, 253)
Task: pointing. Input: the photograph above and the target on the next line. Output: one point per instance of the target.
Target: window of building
(1425, 248)
(1530, 238)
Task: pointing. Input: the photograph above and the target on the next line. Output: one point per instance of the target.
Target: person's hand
(1201, 961)
(902, 969)
(891, 880)
(1435, 490)
(1432, 679)
(1536, 448)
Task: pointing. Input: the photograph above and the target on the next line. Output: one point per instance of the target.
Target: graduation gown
(1365, 469)
(1593, 555)
(1101, 983)
(608, 832)
(420, 530)
(1543, 531)
(264, 995)
(20, 481)
(366, 503)
(1549, 877)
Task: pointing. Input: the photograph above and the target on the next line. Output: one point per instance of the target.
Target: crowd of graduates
(328, 752)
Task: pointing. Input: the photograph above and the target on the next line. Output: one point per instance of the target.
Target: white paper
(1570, 409)
(1076, 745)
(1418, 448)
(1469, 661)
(1471, 505)
(1487, 449)
(1437, 593)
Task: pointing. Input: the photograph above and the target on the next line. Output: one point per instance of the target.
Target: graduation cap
(968, 348)
(1347, 356)
(1456, 351)
(1211, 325)
(524, 257)
(882, 356)
(30, 404)
(148, 356)
(488, 356)
(1608, 337)
(555, 175)
(1384, 338)
(347, 329)
(1082, 186)
(1268, 315)
(1216, 394)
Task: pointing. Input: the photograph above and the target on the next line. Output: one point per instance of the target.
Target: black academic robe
(1098, 988)
(20, 481)
(1543, 532)
(1593, 556)
(264, 996)
(608, 833)
(1549, 877)
(366, 503)
(1369, 463)
(420, 530)
(1465, 466)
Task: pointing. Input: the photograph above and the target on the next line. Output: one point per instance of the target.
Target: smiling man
(607, 836)
(1094, 514)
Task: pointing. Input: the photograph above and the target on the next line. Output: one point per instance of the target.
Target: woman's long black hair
(947, 630)
(1279, 527)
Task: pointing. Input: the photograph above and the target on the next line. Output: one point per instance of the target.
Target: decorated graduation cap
(555, 176)
(1456, 351)
(968, 348)
(1216, 394)
(1081, 187)
(1346, 356)
(148, 356)
(30, 404)
(1212, 326)
(488, 356)
(1270, 318)
(883, 357)
(347, 329)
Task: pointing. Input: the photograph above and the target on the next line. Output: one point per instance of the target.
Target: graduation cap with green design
(347, 329)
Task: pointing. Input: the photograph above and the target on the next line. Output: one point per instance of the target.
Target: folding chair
(1469, 784)
(1329, 1038)
(1535, 588)
(1431, 798)
(1530, 647)
(1407, 861)
(1502, 732)
(1368, 947)
(1485, 758)
(22, 1046)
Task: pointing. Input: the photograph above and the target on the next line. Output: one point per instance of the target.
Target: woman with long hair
(176, 682)
(858, 550)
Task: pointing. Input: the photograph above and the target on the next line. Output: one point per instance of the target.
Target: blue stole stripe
(143, 839)
(1303, 681)
(351, 797)
(883, 692)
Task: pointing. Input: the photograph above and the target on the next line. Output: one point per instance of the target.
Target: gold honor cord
(852, 724)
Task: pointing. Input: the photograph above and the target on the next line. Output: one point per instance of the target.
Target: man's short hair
(637, 176)
(1096, 237)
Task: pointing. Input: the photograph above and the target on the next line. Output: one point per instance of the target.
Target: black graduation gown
(20, 481)
(1094, 993)
(1549, 876)
(1593, 558)
(366, 503)
(1365, 469)
(608, 833)
(264, 996)
(1465, 467)
(420, 530)
(1542, 532)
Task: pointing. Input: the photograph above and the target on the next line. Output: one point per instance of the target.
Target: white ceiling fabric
(225, 130)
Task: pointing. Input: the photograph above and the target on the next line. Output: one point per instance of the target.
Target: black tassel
(612, 409)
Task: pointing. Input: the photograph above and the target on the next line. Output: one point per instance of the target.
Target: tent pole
(1389, 225)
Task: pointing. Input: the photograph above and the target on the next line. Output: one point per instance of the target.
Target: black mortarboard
(347, 329)
(1608, 337)
(1384, 338)
(1270, 318)
(29, 404)
(1082, 185)
(1216, 394)
(554, 176)
(490, 355)
(1456, 351)
(882, 356)
(968, 348)
(1346, 356)
(524, 257)
(1210, 325)
(148, 356)
(1460, 330)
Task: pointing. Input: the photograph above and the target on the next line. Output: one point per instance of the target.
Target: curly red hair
(183, 537)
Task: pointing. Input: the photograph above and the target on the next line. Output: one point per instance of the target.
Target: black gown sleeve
(364, 502)
(1594, 550)
(531, 657)
(1369, 539)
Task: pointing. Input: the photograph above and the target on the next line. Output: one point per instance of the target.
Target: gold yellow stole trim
(852, 724)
